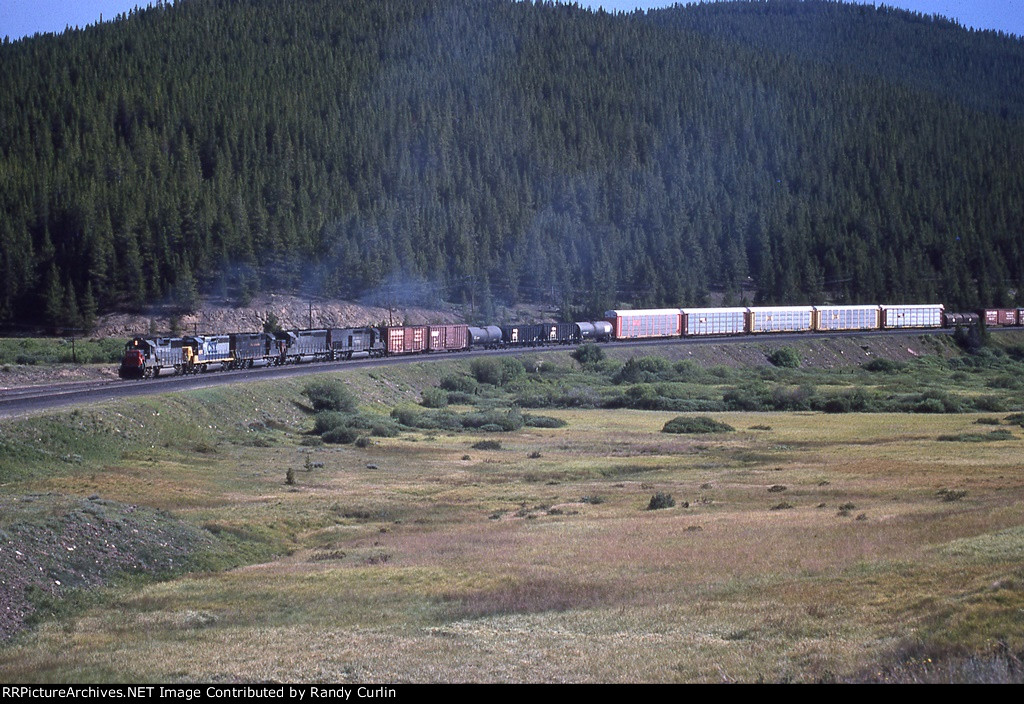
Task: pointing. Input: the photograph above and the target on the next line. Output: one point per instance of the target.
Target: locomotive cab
(133, 363)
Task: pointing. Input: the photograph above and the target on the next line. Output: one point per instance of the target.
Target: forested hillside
(496, 150)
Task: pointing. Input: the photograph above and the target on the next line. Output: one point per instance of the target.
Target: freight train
(154, 356)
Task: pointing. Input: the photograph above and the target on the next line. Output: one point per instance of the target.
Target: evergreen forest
(494, 151)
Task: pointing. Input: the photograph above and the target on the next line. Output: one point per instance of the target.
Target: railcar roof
(700, 311)
(650, 311)
(914, 306)
(845, 307)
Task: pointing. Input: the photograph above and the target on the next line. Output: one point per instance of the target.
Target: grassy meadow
(430, 544)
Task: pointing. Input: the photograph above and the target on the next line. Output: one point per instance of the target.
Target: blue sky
(19, 18)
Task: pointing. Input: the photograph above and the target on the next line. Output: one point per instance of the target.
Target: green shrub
(929, 405)
(434, 398)
(413, 417)
(511, 369)
(486, 370)
(496, 372)
(786, 357)
(992, 436)
(487, 445)
(837, 405)
(1015, 419)
(330, 395)
(341, 435)
(461, 384)
(458, 397)
(588, 353)
(508, 421)
(325, 421)
(886, 366)
(989, 403)
(750, 397)
(533, 421)
(643, 369)
(661, 500)
(696, 424)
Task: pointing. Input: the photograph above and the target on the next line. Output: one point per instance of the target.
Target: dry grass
(429, 567)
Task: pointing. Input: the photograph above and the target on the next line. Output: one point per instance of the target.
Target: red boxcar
(996, 317)
(448, 338)
(406, 340)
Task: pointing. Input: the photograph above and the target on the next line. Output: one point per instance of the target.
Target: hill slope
(498, 150)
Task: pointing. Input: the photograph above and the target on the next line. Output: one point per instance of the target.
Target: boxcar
(637, 324)
(1000, 317)
(912, 316)
(411, 339)
(780, 319)
(828, 318)
(714, 321)
(448, 338)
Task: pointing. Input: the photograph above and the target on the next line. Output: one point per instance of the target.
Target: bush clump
(460, 384)
(785, 357)
(885, 366)
(496, 372)
(330, 396)
(341, 435)
(643, 370)
(533, 421)
(507, 421)
(661, 500)
(696, 424)
(588, 353)
(434, 398)
(991, 436)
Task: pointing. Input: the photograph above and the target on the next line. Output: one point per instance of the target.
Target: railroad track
(29, 399)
